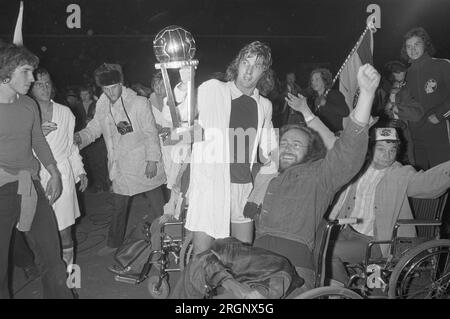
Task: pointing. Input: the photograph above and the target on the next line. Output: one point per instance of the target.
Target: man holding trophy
(236, 121)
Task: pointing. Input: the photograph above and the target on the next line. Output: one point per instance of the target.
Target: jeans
(44, 241)
(120, 209)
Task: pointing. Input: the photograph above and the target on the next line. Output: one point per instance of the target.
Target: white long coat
(69, 163)
(209, 189)
(127, 154)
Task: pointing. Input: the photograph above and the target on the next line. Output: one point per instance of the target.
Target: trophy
(174, 48)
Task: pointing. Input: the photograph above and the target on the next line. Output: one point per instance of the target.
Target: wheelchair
(174, 254)
(415, 268)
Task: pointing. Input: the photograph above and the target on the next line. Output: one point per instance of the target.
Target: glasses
(294, 145)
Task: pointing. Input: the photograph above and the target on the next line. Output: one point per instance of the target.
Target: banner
(348, 83)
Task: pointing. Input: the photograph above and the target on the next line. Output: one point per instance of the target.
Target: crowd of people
(273, 163)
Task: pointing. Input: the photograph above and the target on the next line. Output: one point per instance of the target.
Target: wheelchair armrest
(418, 222)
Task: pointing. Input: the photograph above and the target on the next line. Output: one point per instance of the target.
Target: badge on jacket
(431, 86)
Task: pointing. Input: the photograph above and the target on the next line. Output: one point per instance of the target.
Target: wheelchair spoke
(427, 277)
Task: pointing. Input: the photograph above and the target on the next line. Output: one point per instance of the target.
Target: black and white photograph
(201, 152)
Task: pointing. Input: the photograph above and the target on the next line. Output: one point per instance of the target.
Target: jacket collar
(418, 62)
(235, 92)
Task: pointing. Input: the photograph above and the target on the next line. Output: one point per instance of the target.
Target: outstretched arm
(299, 104)
(92, 131)
(429, 184)
(347, 156)
(368, 79)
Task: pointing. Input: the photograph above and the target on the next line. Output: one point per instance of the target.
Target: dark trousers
(96, 164)
(22, 254)
(120, 209)
(44, 241)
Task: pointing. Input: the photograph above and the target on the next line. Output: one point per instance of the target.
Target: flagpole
(18, 38)
(370, 26)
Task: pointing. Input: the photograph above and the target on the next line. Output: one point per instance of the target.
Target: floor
(96, 281)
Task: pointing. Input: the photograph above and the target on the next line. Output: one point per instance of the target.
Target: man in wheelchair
(378, 197)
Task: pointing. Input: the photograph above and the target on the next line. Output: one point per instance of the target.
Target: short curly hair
(326, 76)
(316, 149)
(13, 56)
(421, 33)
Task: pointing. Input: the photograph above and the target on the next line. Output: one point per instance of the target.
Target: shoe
(105, 251)
(31, 272)
(118, 270)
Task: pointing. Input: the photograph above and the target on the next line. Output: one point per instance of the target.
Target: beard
(285, 164)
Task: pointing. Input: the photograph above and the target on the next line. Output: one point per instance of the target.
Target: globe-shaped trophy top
(173, 44)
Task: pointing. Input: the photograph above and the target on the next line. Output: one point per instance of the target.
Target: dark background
(302, 33)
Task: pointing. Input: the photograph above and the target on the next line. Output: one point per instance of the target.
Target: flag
(348, 83)
(18, 39)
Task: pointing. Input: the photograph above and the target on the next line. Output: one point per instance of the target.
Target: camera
(124, 127)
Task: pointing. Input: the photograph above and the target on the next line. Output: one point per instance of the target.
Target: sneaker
(105, 251)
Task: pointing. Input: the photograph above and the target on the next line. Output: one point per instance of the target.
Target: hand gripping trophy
(174, 48)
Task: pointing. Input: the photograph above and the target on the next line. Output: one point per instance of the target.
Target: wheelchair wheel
(186, 251)
(423, 272)
(329, 292)
(162, 292)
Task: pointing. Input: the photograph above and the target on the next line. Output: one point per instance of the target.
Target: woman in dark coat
(332, 108)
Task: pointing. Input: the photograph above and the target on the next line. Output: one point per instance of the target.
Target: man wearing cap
(378, 197)
(134, 157)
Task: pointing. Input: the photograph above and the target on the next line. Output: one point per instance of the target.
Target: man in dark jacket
(428, 80)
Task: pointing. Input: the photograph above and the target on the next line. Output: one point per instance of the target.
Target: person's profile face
(415, 47)
(21, 79)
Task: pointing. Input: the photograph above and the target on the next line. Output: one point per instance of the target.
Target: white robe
(209, 189)
(69, 163)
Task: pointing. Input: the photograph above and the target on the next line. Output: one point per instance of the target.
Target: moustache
(288, 154)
